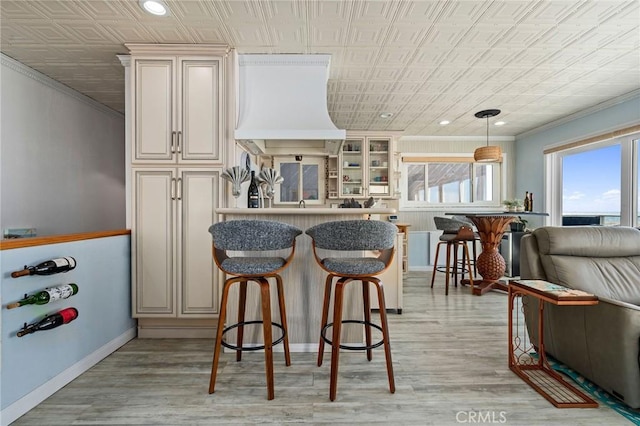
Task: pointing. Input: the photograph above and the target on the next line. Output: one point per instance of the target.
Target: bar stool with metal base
(455, 234)
(353, 235)
(252, 236)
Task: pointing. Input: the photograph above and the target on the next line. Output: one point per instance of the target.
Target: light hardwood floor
(449, 356)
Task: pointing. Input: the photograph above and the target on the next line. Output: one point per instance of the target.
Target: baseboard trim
(44, 391)
(176, 333)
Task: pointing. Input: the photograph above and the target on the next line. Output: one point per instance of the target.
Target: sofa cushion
(589, 241)
(604, 261)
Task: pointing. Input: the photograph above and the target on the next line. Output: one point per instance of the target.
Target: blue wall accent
(103, 302)
(529, 149)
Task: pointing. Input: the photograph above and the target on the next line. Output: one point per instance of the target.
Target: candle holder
(271, 178)
(237, 176)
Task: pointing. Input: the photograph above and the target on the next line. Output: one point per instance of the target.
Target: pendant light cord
(487, 130)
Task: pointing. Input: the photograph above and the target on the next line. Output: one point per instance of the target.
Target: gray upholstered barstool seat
(456, 234)
(353, 236)
(252, 236)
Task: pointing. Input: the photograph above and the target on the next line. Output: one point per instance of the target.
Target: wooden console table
(535, 370)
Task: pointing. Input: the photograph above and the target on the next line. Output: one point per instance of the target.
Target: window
(303, 180)
(447, 181)
(636, 170)
(594, 183)
(588, 197)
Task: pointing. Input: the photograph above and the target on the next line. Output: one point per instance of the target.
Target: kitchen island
(304, 279)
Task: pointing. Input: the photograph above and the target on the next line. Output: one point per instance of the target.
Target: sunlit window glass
(415, 182)
(289, 187)
(591, 187)
(310, 182)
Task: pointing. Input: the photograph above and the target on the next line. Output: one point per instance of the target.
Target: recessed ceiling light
(386, 115)
(444, 122)
(499, 123)
(154, 7)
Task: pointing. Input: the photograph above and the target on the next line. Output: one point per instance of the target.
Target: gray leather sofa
(600, 342)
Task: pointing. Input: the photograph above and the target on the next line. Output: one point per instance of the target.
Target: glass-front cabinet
(365, 164)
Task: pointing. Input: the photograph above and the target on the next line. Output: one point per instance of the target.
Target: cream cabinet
(177, 99)
(177, 107)
(366, 167)
(172, 267)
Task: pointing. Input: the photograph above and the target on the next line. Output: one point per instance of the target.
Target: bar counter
(303, 279)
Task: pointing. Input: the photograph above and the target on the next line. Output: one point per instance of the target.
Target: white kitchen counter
(304, 280)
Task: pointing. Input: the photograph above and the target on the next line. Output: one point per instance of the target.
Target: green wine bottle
(47, 295)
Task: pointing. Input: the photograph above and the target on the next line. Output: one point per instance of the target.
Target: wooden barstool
(253, 236)
(455, 234)
(353, 235)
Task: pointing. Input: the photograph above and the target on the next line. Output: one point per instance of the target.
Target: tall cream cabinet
(173, 268)
(177, 133)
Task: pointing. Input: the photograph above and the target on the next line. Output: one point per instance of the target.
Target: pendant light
(487, 153)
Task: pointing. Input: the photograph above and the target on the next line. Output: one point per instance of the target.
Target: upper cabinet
(178, 107)
(365, 165)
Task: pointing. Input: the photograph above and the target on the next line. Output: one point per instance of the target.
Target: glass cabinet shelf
(364, 164)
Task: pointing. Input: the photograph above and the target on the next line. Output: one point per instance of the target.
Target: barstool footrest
(351, 347)
(251, 348)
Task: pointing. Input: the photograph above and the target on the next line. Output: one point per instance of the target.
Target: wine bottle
(62, 317)
(531, 201)
(526, 201)
(53, 266)
(47, 295)
(254, 195)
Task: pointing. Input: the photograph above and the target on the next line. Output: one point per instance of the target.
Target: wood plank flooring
(450, 362)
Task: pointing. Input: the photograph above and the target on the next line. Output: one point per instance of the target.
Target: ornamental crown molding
(178, 49)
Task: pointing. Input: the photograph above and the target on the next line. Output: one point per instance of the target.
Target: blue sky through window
(591, 181)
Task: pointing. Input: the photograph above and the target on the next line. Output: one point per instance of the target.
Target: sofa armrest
(620, 303)
(530, 264)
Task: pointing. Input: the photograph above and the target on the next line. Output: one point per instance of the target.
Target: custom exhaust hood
(282, 105)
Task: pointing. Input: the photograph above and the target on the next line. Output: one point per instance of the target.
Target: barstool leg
(466, 248)
(385, 336)
(455, 263)
(475, 256)
(219, 333)
(446, 288)
(367, 317)
(267, 334)
(242, 300)
(435, 264)
(325, 315)
(283, 319)
(335, 341)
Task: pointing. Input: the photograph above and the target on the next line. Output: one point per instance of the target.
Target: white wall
(61, 156)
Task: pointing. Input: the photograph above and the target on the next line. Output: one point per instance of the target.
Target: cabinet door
(153, 243)
(353, 171)
(153, 123)
(198, 197)
(379, 159)
(199, 132)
